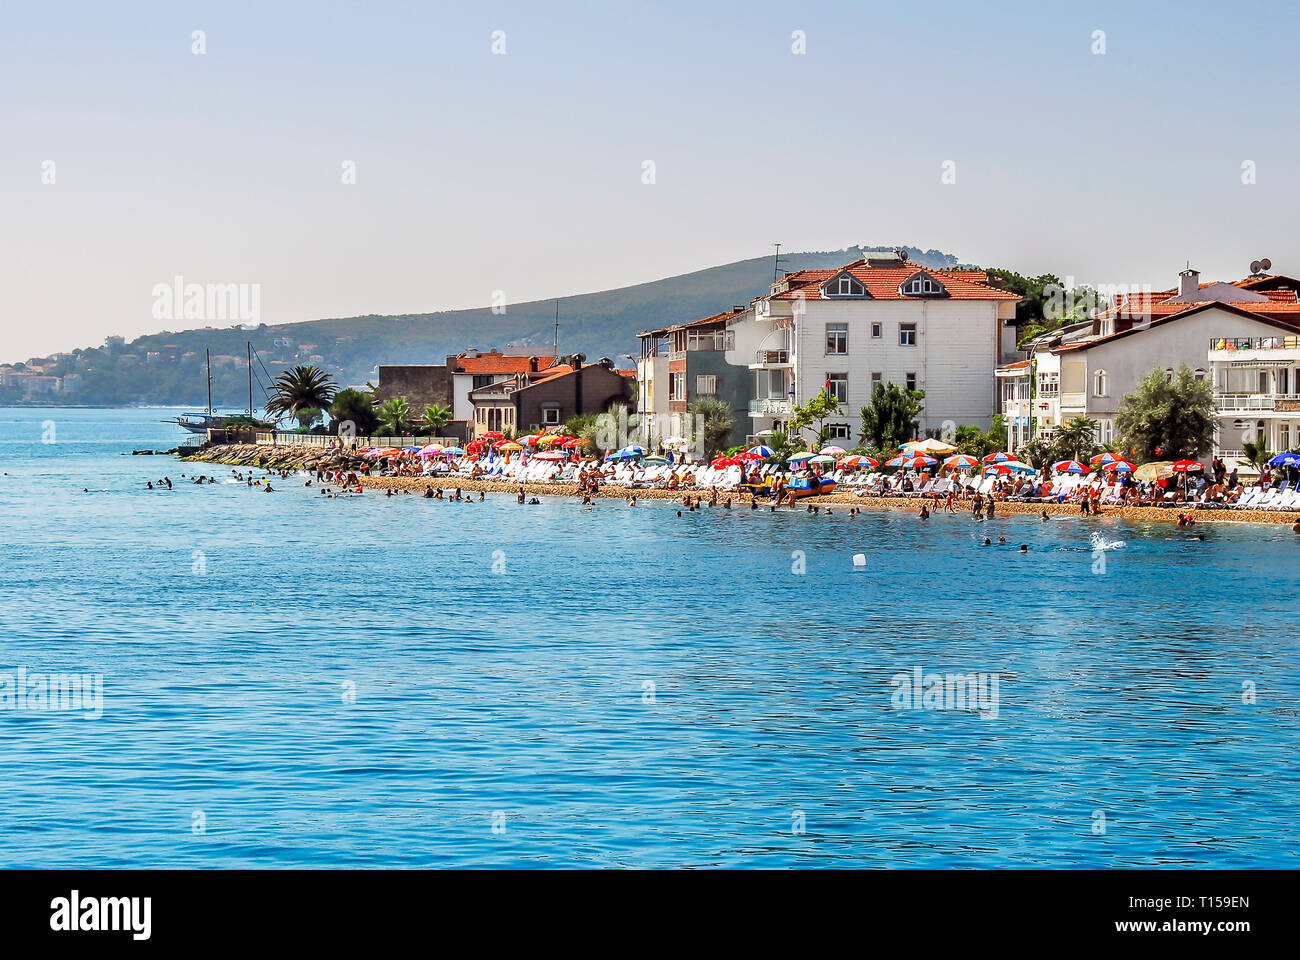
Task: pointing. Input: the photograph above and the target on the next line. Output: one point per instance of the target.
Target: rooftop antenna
(776, 263)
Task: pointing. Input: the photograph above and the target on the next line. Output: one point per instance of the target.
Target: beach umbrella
(492, 435)
(915, 461)
(833, 450)
(655, 461)
(961, 461)
(929, 445)
(1105, 459)
(794, 457)
(999, 457)
(748, 455)
(454, 451)
(1008, 466)
(549, 455)
(1285, 460)
(429, 449)
(574, 444)
(509, 446)
(632, 450)
(1153, 470)
(821, 458)
(763, 451)
(1070, 466)
(856, 461)
(549, 439)
(1187, 466)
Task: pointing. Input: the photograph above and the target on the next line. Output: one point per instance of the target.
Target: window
(838, 431)
(1283, 385)
(907, 334)
(708, 339)
(922, 284)
(482, 380)
(876, 331)
(1106, 432)
(550, 415)
(1263, 381)
(837, 338)
(706, 385)
(1049, 384)
(1099, 383)
(844, 285)
(876, 378)
(1169, 373)
(1284, 436)
(837, 385)
(910, 380)
(676, 386)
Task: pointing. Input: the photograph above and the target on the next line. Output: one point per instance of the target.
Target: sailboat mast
(250, 378)
(207, 356)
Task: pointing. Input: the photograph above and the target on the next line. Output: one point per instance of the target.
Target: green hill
(168, 367)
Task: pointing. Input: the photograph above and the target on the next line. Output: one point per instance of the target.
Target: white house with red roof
(876, 320)
(1240, 335)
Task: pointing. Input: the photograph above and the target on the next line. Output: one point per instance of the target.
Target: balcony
(1074, 401)
(1282, 403)
(771, 360)
(769, 407)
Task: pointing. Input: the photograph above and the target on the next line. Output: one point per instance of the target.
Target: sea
(281, 679)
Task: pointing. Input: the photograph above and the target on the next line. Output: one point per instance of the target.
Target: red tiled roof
(883, 283)
(496, 362)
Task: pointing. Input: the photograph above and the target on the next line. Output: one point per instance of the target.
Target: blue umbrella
(763, 451)
(453, 451)
(1285, 460)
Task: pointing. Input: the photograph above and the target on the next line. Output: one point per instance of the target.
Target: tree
(1256, 452)
(1173, 415)
(308, 417)
(1076, 440)
(784, 444)
(817, 410)
(436, 417)
(716, 418)
(298, 389)
(395, 417)
(890, 420)
(356, 407)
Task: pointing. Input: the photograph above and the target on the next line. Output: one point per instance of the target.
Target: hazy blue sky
(522, 172)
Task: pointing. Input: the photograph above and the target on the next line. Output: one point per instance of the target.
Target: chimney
(471, 353)
(532, 364)
(1189, 282)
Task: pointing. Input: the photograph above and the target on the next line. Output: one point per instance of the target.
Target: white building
(879, 320)
(1087, 369)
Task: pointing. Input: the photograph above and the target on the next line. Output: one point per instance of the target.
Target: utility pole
(557, 329)
(250, 378)
(776, 263)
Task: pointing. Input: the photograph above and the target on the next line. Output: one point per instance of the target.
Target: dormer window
(922, 285)
(844, 284)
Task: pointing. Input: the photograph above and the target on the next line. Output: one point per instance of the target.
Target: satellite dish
(1254, 266)
(1266, 264)
(902, 255)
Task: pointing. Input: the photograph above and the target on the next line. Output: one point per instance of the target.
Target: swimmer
(1024, 548)
(267, 488)
(1002, 540)
(987, 542)
(1046, 517)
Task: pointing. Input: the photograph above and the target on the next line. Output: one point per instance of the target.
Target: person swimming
(1024, 548)
(987, 542)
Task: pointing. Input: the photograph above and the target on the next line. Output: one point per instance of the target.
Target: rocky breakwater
(276, 457)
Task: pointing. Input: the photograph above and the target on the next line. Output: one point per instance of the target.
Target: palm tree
(1077, 439)
(395, 416)
(300, 389)
(436, 417)
(1256, 452)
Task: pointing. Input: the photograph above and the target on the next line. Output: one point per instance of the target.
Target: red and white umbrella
(1187, 466)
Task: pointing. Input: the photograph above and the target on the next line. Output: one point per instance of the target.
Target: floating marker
(859, 559)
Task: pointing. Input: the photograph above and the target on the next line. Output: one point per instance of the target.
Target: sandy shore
(1135, 514)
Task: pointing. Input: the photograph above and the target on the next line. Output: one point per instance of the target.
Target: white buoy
(859, 559)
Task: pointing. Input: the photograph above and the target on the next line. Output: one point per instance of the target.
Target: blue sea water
(291, 681)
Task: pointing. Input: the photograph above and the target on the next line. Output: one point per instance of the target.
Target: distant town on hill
(167, 367)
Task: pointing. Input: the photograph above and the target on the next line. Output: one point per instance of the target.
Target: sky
(1009, 134)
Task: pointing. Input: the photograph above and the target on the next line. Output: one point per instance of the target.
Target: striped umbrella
(794, 457)
(832, 450)
(857, 461)
(1070, 466)
(999, 457)
(915, 461)
(763, 451)
(1186, 466)
(961, 461)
